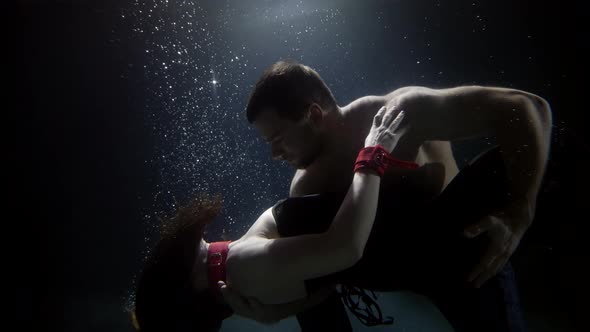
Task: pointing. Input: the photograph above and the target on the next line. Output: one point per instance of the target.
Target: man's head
(289, 106)
(166, 298)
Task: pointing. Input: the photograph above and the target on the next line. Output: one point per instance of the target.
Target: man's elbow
(545, 113)
(538, 112)
(531, 108)
(540, 109)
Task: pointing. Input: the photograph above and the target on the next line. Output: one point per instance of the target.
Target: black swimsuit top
(413, 234)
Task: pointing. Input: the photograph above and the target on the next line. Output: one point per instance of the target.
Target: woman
(178, 287)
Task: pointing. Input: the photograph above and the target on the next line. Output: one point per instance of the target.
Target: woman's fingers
(378, 117)
(397, 121)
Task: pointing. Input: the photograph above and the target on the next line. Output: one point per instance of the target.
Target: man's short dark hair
(287, 87)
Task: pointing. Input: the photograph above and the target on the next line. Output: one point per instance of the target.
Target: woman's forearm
(353, 222)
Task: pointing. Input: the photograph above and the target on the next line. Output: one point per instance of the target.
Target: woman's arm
(341, 246)
(313, 255)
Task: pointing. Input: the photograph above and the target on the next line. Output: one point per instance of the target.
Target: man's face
(297, 142)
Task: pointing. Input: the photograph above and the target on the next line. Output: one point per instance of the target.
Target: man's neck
(335, 132)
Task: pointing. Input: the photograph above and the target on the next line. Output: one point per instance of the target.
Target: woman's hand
(385, 130)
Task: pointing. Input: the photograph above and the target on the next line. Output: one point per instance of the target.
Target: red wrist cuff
(376, 158)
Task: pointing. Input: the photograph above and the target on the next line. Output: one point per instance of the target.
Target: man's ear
(314, 114)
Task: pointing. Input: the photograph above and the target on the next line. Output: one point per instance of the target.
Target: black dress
(416, 242)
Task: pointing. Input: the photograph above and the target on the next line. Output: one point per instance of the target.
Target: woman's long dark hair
(165, 299)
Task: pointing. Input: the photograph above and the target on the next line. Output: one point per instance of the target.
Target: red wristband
(376, 158)
(216, 259)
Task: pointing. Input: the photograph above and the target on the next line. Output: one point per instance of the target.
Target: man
(296, 113)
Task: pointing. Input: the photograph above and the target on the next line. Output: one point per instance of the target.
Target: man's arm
(520, 121)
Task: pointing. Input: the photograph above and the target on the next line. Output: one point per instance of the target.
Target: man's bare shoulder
(364, 102)
(361, 110)
(296, 183)
(374, 102)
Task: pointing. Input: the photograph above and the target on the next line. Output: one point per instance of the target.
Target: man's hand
(505, 230)
(251, 308)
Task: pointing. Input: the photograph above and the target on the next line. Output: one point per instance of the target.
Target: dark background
(82, 144)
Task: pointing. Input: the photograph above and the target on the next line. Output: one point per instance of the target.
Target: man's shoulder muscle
(374, 102)
(296, 182)
(365, 101)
